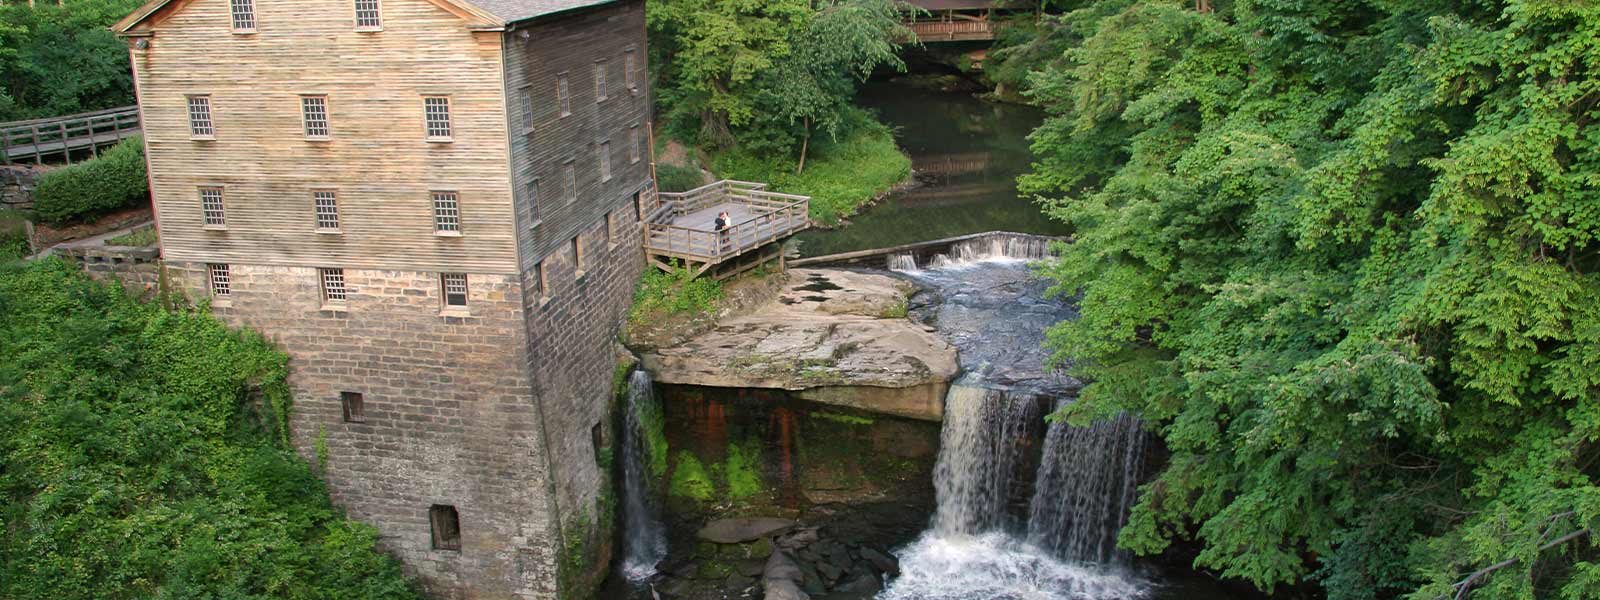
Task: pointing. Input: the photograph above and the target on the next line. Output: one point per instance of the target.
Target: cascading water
(644, 540)
(1087, 482)
(1062, 546)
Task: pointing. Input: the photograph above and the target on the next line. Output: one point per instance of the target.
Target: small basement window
(221, 282)
(354, 407)
(453, 286)
(577, 256)
(333, 289)
(543, 281)
(446, 527)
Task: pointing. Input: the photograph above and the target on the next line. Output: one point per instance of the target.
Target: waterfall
(979, 453)
(994, 247)
(644, 541)
(1087, 482)
(902, 262)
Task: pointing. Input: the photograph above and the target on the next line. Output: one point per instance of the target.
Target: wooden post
(66, 149)
(5, 146)
(36, 158)
(94, 148)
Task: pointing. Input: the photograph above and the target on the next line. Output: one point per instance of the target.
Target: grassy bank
(840, 175)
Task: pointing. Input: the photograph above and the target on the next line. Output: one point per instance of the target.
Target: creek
(995, 502)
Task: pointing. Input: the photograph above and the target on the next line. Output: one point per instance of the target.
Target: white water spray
(644, 541)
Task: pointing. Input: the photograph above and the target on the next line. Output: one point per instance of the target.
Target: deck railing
(943, 30)
(39, 138)
(772, 216)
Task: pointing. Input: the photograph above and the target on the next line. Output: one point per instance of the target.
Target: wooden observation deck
(682, 225)
(953, 20)
(61, 136)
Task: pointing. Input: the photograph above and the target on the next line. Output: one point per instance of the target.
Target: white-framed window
(564, 94)
(327, 209)
(221, 282)
(453, 288)
(211, 208)
(244, 15)
(600, 81)
(629, 77)
(532, 197)
(577, 256)
(333, 288)
(200, 127)
(569, 183)
(314, 115)
(367, 16)
(446, 213)
(436, 114)
(605, 160)
(635, 144)
(527, 109)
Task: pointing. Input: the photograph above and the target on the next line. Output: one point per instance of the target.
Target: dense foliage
(114, 180)
(143, 455)
(767, 75)
(1343, 257)
(59, 59)
(846, 173)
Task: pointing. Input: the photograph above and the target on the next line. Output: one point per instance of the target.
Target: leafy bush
(673, 178)
(115, 180)
(143, 453)
(662, 293)
(13, 236)
(841, 175)
(141, 237)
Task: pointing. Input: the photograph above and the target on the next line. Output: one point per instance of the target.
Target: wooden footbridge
(682, 226)
(953, 20)
(59, 137)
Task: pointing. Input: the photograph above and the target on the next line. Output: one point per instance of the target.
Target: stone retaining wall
(139, 269)
(16, 186)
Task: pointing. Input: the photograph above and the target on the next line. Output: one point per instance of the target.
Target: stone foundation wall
(138, 269)
(571, 329)
(16, 186)
(449, 415)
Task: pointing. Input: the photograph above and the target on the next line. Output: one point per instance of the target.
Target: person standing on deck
(721, 225)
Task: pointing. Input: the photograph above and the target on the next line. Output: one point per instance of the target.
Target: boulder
(881, 561)
(781, 567)
(743, 529)
(784, 589)
(837, 337)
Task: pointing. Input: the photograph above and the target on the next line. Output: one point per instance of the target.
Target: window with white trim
(446, 213)
(200, 118)
(570, 181)
(333, 289)
(527, 109)
(564, 94)
(629, 79)
(221, 282)
(244, 15)
(600, 81)
(453, 288)
(605, 160)
(211, 207)
(314, 115)
(436, 114)
(367, 15)
(327, 207)
(635, 144)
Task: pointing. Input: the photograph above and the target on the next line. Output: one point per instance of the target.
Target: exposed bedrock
(834, 337)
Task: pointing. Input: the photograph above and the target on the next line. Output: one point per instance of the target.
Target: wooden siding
(571, 44)
(376, 155)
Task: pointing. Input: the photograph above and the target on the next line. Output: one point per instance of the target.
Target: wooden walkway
(952, 30)
(58, 137)
(682, 226)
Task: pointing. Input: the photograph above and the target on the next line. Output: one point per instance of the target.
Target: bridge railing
(36, 139)
(772, 216)
(952, 29)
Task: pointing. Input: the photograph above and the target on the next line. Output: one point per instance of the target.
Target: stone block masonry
(449, 414)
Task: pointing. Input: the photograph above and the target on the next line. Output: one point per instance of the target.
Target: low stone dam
(881, 430)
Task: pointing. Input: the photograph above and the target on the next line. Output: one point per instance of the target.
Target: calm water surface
(967, 154)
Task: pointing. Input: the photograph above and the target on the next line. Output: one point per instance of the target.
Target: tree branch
(1465, 585)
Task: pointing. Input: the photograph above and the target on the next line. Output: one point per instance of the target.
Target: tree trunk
(805, 143)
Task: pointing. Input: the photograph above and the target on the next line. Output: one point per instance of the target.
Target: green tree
(62, 59)
(1342, 256)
